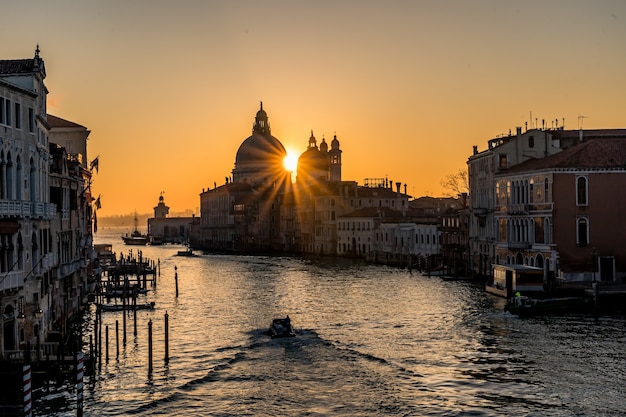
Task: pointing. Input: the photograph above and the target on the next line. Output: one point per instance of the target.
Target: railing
(517, 208)
(69, 268)
(23, 209)
(11, 280)
(46, 350)
(518, 245)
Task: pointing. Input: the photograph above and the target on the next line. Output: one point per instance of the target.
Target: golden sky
(169, 89)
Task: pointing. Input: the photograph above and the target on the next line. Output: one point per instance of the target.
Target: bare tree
(456, 183)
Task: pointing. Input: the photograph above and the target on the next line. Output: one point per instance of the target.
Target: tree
(456, 183)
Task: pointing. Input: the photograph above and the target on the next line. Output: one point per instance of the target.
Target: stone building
(165, 229)
(45, 212)
(562, 214)
(501, 154)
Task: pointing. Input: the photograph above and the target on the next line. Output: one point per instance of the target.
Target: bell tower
(334, 157)
(161, 210)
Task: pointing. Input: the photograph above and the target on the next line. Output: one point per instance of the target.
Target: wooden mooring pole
(150, 347)
(106, 345)
(117, 339)
(176, 279)
(167, 338)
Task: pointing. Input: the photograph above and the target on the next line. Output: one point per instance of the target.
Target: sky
(169, 89)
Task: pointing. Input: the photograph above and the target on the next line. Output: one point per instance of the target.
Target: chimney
(398, 184)
(475, 149)
(519, 130)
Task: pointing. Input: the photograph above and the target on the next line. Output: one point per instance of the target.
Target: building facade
(45, 212)
(501, 154)
(561, 214)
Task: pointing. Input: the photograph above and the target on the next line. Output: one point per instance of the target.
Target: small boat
(135, 238)
(130, 306)
(281, 328)
(186, 252)
(121, 291)
(527, 306)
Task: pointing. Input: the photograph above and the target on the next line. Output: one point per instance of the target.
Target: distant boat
(135, 238)
(186, 252)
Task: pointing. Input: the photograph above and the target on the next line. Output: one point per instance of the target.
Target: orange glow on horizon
(412, 115)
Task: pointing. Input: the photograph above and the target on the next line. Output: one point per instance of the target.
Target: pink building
(560, 219)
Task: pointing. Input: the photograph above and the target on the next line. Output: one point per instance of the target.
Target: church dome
(260, 148)
(313, 163)
(261, 155)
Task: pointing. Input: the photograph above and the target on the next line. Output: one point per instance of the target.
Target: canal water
(371, 341)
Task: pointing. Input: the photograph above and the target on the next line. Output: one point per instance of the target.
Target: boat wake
(305, 369)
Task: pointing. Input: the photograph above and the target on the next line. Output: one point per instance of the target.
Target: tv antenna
(580, 121)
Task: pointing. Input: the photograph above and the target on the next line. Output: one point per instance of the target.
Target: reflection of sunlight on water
(371, 341)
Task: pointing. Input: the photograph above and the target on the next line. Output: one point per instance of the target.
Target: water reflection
(371, 341)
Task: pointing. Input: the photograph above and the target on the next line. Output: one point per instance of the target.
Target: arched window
(581, 191)
(582, 232)
(539, 260)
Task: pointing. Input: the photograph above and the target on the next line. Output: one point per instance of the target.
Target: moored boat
(526, 306)
(135, 238)
(130, 306)
(281, 328)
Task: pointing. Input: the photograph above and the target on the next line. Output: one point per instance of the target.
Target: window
(545, 190)
(31, 120)
(531, 141)
(502, 161)
(7, 113)
(581, 191)
(18, 116)
(582, 233)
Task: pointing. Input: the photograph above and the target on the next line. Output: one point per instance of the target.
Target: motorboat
(525, 306)
(186, 252)
(281, 328)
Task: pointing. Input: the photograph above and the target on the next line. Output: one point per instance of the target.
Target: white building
(27, 255)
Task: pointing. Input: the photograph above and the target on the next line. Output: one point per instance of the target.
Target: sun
(291, 161)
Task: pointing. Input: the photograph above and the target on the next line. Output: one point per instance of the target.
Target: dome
(260, 148)
(313, 163)
(260, 157)
(313, 160)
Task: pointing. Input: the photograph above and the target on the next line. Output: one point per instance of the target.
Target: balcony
(517, 209)
(11, 280)
(24, 209)
(518, 245)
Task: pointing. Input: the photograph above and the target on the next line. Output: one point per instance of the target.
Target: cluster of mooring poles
(125, 279)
